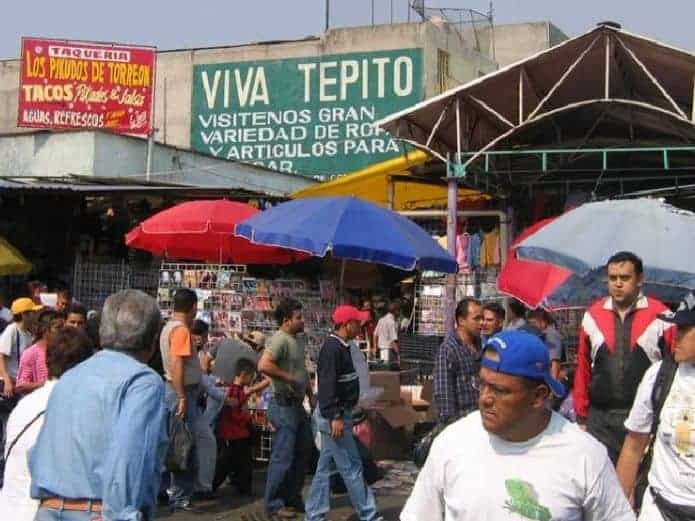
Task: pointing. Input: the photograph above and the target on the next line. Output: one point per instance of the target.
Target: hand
(205, 362)
(582, 426)
(337, 427)
(181, 408)
(8, 389)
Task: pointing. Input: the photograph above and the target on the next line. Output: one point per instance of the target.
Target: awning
(12, 262)
(94, 186)
(557, 116)
(410, 192)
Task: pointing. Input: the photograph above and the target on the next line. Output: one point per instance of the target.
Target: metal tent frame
(606, 106)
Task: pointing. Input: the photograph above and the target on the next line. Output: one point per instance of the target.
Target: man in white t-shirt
(515, 459)
(386, 333)
(672, 472)
(13, 341)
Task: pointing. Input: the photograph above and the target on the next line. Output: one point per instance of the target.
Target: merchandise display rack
(234, 303)
(431, 297)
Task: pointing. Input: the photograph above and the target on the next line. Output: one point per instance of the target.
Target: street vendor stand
(352, 229)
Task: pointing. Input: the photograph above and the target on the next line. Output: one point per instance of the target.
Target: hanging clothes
(490, 251)
(474, 245)
(462, 241)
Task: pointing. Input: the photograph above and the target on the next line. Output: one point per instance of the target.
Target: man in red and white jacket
(620, 337)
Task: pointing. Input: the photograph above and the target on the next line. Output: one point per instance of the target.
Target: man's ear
(541, 395)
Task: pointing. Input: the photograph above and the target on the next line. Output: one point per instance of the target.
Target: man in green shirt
(284, 362)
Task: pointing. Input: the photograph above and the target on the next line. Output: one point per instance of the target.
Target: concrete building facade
(309, 103)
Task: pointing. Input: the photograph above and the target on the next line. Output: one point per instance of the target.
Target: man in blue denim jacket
(338, 393)
(100, 452)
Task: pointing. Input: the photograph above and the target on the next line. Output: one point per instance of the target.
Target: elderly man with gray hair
(102, 445)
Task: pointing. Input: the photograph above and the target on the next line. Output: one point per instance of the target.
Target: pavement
(230, 507)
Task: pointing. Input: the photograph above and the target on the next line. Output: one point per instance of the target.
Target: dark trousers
(607, 426)
(235, 460)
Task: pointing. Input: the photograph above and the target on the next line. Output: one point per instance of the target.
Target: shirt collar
(459, 341)
(640, 303)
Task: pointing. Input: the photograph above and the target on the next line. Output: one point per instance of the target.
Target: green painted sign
(310, 116)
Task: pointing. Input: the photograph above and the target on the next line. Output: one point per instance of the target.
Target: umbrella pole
(342, 279)
(452, 202)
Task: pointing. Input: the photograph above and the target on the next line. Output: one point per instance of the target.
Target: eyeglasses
(498, 392)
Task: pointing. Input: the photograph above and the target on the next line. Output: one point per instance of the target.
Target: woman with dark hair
(32, 372)
(66, 348)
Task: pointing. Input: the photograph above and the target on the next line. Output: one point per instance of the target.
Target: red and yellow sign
(84, 85)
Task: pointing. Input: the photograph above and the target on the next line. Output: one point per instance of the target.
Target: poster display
(234, 304)
(84, 85)
(312, 115)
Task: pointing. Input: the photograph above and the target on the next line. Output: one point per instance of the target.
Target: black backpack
(662, 386)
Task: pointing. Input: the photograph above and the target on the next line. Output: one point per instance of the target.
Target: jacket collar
(640, 303)
(342, 341)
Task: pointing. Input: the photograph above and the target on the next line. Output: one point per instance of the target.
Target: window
(442, 71)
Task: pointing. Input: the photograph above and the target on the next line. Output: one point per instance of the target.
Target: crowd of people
(92, 426)
(89, 426)
(506, 451)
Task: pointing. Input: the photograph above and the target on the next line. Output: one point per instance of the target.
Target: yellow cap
(22, 305)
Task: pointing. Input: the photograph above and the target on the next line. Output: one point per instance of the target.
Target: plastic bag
(363, 432)
(368, 394)
(180, 445)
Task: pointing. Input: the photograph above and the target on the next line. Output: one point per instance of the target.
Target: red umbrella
(203, 231)
(530, 281)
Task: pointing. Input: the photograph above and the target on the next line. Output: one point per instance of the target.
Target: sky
(175, 24)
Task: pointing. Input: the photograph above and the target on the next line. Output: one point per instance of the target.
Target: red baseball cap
(343, 314)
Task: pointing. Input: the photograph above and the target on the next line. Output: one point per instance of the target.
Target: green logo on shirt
(524, 501)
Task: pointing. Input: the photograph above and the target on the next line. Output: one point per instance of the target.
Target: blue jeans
(181, 483)
(344, 454)
(289, 456)
(54, 514)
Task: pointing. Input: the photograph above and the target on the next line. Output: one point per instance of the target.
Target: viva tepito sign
(311, 116)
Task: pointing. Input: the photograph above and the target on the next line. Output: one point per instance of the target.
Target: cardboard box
(420, 405)
(427, 393)
(388, 442)
(411, 393)
(397, 415)
(390, 382)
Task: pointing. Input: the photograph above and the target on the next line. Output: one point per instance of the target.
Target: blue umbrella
(349, 228)
(583, 239)
(581, 291)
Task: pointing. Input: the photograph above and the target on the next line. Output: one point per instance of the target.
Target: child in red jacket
(235, 456)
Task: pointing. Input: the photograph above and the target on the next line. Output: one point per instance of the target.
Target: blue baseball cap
(522, 354)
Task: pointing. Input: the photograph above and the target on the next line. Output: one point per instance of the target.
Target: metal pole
(372, 13)
(452, 188)
(391, 192)
(150, 147)
(341, 285)
(328, 15)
